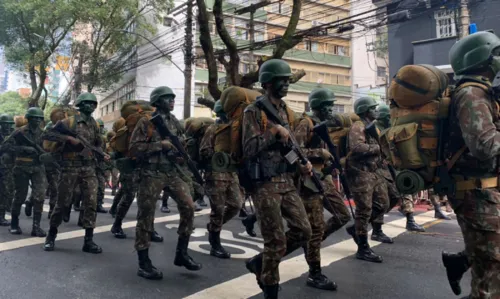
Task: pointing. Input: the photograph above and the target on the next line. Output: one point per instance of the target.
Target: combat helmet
(160, 91)
(383, 111)
(274, 68)
(49, 126)
(476, 52)
(218, 109)
(6, 119)
(85, 97)
(34, 112)
(363, 104)
(321, 96)
(100, 122)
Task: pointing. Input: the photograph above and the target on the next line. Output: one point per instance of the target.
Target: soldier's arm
(139, 143)
(12, 146)
(474, 112)
(255, 141)
(357, 142)
(207, 144)
(51, 135)
(303, 133)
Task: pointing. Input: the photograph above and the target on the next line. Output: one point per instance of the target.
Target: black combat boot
(50, 240)
(88, 243)
(201, 202)
(117, 230)
(243, 213)
(28, 207)
(80, 219)
(411, 225)
(351, 230)
(36, 231)
(254, 265)
(364, 251)
(249, 224)
(114, 206)
(182, 259)
(378, 234)
(51, 210)
(3, 221)
(14, 226)
(100, 208)
(438, 213)
(456, 265)
(146, 268)
(271, 291)
(217, 250)
(67, 214)
(317, 280)
(155, 237)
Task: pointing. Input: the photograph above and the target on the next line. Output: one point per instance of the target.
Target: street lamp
(151, 42)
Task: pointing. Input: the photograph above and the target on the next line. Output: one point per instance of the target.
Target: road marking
(432, 223)
(295, 267)
(81, 232)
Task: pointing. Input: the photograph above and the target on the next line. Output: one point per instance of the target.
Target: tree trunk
(37, 93)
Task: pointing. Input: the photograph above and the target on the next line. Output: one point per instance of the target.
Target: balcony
(433, 51)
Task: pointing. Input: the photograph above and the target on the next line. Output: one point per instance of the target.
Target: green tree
(12, 103)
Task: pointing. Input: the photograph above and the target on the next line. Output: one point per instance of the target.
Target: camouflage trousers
(332, 201)
(52, 180)
(101, 185)
(273, 202)
(225, 202)
(114, 175)
(394, 199)
(23, 175)
(199, 193)
(85, 178)
(479, 219)
(152, 182)
(6, 188)
(129, 185)
(369, 192)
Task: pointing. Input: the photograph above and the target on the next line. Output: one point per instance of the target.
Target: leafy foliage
(12, 103)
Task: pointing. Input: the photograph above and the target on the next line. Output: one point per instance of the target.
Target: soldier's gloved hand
(306, 169)
(281, 133)
(166, 145)
(325, 154)
(107, 157)
(72, 140)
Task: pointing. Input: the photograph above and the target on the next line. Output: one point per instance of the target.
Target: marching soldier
(275, 192)
(161, 167)
(101, 169)
(78, 167)
(53, 174)
(368, 188)
(475, 139)
(321, 102)
(384, 122)
(112, 171)
(28, 168)
(222, 182)
(6, 178)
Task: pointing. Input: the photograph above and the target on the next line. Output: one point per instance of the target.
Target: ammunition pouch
(468, 183)
(126, 165)
(222, 162)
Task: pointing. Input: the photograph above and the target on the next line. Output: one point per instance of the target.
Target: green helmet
(85, 97)
(49, 126)
(274, 68)
(100, 122)
(383, 111)
(218, 109)
(160, 91)
(6, 119)
(364, 104)
(320, 96)
(34, 112)
(476, 52)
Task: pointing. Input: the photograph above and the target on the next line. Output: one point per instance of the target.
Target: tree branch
(206, 102)
(289, 41)
(232, 69)
(208, 49)
(297, 76)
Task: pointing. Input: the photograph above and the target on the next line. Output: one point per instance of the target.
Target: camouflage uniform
(223, 187)
(474, 122)
(274, 198)
(101, 169)
(6, 178)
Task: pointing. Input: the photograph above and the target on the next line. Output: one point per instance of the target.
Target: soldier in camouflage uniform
(368, 188)
(275, 192)
(321, 102)
(78, 167)
(29, 168)
(436, 203)
(53, 174)
(112, 173)
(6, 178)
(101, 169)
(222, 182)
(474, 127)
(161, 167)
(384, 122)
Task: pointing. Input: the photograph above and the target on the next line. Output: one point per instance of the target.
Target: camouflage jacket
(474, 123)
(364, 150)
(207, 150)
(310, 144)
(23, 152)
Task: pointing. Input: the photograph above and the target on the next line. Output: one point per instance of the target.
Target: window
(259, 36)
(280, 8)
(306, 107)
(113, 106)
(341, 51)
(167, 21)
(381, 71)
(445, 23)
(338, 108)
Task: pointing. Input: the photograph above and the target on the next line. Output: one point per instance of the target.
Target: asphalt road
(412, 266)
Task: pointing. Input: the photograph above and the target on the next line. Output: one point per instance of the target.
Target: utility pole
(252, 9)
(464, 21)
(188, 59)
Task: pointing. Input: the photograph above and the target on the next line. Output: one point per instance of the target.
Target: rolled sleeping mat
(409, 182)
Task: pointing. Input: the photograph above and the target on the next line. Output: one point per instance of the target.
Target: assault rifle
(295, 151)
(165, 133)
(45, 158)
(321, 130)
(61, 129)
